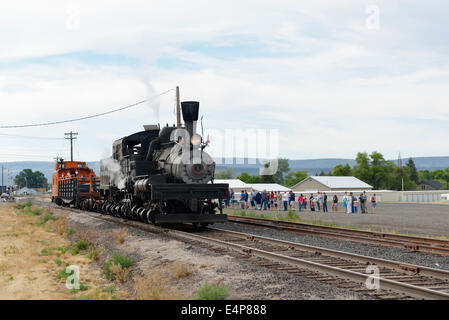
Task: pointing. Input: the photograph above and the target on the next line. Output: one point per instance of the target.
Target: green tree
(245, 177)
(30, 179)
(227, 173)
(340, 170)
(379, 170)
(425, 175)
(442, 175)
(283, 168)
(362, 169)
(293, 178)
(267, 179)
(397, 174)
(413, 171)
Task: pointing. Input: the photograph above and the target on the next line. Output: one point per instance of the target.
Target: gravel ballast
(245, 280)
(396, 254)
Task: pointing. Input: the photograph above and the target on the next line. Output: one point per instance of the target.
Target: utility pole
(71, 136)
(402, 174)
(178, 108)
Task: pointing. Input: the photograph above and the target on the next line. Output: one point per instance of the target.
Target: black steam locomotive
(162, 175)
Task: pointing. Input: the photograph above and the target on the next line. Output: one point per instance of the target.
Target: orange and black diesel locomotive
(74, 183)
(159, 175)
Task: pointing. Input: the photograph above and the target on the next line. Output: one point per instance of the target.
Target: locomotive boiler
(163, 175)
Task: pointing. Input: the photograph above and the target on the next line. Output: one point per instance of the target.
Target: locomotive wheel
(134, 213)
(140, 212)
(103, 208)
(58, 201)
(151, 216)
(204, 224)
(125, 211)
(118, 209)
(115, 210)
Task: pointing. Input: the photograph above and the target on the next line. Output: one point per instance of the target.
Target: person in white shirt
(349, 204)
(285, 198)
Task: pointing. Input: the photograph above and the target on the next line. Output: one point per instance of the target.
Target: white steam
(115, 173)
(153, 103)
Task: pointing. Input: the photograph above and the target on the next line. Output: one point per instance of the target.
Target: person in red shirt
(300, 202)
(373, 203)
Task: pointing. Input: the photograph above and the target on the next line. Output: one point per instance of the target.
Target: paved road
(422, 219)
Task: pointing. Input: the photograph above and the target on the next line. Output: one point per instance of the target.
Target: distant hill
(312, 166)
(315, 166)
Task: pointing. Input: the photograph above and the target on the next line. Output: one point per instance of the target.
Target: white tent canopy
(270, 187)
(235, 184)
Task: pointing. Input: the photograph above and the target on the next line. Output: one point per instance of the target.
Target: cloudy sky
(333, 77)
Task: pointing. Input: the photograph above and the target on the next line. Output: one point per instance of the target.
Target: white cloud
(314, 71)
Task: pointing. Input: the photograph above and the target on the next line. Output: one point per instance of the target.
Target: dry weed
(86, 235)
(119, 272)
(154, 286)
(119, 234)
(59, 226)
(181, 270)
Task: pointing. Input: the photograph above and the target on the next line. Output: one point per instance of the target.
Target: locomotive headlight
(196, 140)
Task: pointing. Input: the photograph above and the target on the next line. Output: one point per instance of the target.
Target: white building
(331, 183)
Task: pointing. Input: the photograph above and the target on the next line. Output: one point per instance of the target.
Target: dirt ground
(169, 269)
(33, 254)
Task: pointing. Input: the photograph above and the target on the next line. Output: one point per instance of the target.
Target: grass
(82, 287)
(32, 211)
(94, 253)
(21, 206)
(97, 295)
(63, 275)
(82, 245)
(45, 252)
(47, 216)
(292, 216)
(211, 292)
(109, 289)
(63, 249)
(70, 231)
(117, 266)
(58, 262)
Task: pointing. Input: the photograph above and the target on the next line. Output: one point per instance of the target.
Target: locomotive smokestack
(190, 111)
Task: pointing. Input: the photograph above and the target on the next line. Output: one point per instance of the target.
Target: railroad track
(347, 270)
(410, 243)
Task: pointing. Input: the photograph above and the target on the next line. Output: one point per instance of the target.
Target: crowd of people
(266, 200)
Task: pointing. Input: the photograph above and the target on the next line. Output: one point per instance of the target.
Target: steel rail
(411, 243)
(409, 289)
(405, 267)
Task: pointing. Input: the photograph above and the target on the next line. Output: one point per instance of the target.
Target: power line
(29, 137)
(87, 117)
